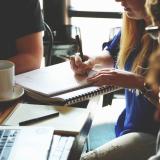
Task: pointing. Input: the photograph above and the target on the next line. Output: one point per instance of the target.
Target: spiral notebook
(52, 80)
(57, 84)
(74, 96)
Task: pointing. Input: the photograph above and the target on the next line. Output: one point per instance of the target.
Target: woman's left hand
(111, 76)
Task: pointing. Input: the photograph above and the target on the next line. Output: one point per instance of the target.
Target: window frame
(94, 14)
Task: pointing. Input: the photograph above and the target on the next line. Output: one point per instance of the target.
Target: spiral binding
(72, 100)
(86, 96)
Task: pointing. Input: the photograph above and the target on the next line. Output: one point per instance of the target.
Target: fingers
(75, 62)
(79, 67)
(107, 76)
(101, 73)
(100, 79)
(114, 77)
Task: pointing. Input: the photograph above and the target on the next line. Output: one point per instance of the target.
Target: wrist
(146, 87)
(141, 83)
(149, 94)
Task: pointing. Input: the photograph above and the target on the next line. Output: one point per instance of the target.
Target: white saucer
(18, 91)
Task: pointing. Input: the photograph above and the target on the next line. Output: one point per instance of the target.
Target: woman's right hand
(79, 67)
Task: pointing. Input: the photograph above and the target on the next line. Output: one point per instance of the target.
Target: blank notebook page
(70, 119)
(52, 79)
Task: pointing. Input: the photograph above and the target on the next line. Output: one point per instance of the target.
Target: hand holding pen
(78, 66)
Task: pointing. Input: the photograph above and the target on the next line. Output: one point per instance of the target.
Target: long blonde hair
(133, 34)
(153, 10)
(153, 76)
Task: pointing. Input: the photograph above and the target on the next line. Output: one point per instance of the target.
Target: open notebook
(58, 84)
(52, 80)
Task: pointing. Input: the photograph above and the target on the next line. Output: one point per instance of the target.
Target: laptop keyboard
(61, 147)
(7, 139)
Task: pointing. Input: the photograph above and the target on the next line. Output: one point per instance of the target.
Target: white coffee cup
(7, 79)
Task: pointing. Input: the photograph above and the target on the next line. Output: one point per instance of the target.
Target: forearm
(104, 60)
(29, 52)
(26, 62)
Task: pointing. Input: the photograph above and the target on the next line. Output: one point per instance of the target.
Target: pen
(80, 47)
(65, 57)
(38, 119)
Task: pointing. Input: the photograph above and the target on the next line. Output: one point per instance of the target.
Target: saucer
(18, 91)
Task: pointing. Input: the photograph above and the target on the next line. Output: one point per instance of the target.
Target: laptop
(25, 143)
(33, 143)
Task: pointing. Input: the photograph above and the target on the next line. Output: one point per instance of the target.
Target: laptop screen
(27, 143)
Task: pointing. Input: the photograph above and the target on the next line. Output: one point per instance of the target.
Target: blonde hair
(153, 76)
(153, 10)
(133, 34)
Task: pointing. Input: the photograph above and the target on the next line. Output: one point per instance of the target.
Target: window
(96, 5)
(41, 3)
(95, 19)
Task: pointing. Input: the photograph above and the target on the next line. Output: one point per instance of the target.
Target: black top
(18, 18)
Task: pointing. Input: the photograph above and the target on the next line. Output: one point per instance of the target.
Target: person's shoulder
(25, 2)
(116, 38)
(25, 6)
(118, 35)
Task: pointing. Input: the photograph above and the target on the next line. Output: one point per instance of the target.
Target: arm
(104, 59)
(29, 51)
(124, 79)
(28, 36)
